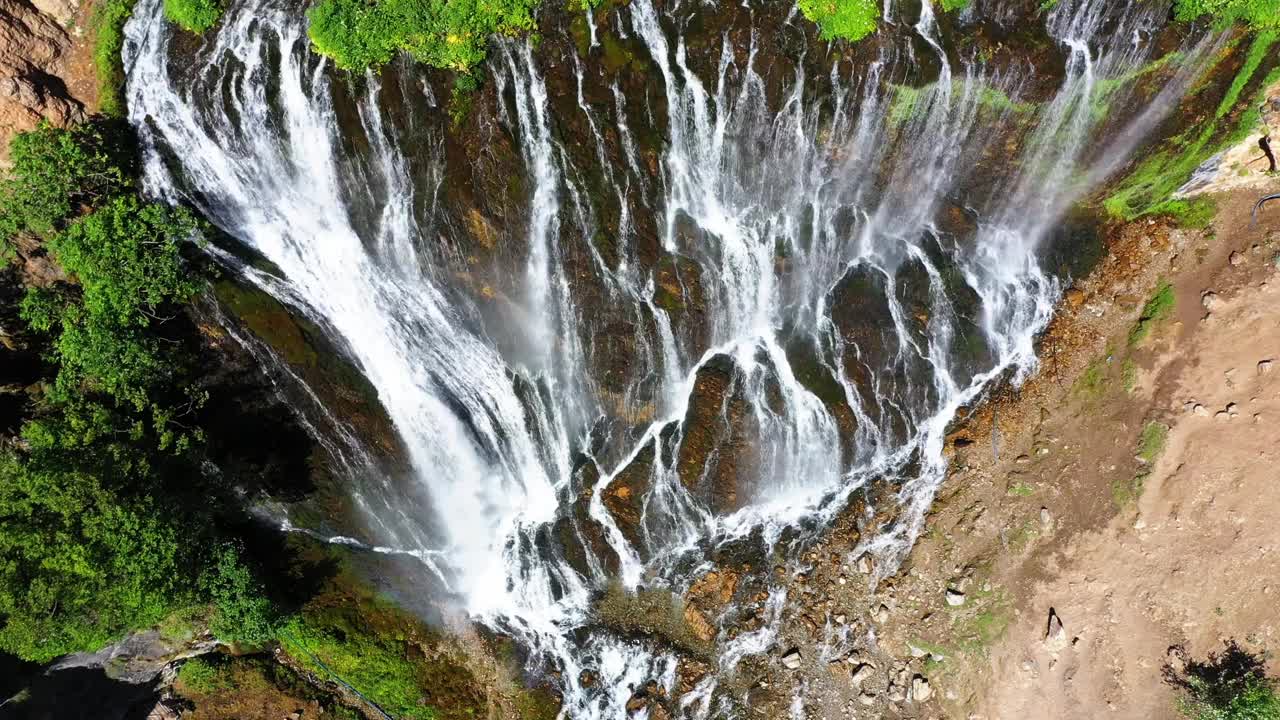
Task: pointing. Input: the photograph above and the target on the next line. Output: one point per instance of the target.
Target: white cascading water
(492, 425)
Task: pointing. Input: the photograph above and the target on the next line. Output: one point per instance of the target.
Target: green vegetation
(1129, 375)
(104, 507)
(193, 15)
(1126, 492)
(905, 101)
(1152, 440)
(1256, 13)
(1021, 489)
(107, 26)
(1092, 382)
(1147, 189)
(1231, 685)
(441, 33)
(202, 676)
(847, 19)
(949, 5)
(1157, 309)
(386, 654)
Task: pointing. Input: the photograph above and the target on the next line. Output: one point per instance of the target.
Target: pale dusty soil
(1198, 563)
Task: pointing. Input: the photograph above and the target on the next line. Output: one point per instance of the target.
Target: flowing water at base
(812, 273)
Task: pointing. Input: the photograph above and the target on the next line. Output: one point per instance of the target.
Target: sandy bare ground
(1195, 564)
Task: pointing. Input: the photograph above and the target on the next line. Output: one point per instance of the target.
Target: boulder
(955, 598)
(921, 691)
(791, 659)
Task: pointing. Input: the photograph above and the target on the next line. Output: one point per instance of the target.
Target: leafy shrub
(193, 15)
(81, 565)
(1231, 685)
(441, 33)
(243, 613)
(1258, 13)
(55, 173)
(847, 19)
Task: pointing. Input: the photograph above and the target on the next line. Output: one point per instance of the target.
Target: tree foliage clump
(1257, 13)
(847, 19)
(1231, 685)
(104, 512)
(193, 15)
(448, 34)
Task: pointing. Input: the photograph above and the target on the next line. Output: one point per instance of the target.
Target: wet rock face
(717, 453)
(33, 68)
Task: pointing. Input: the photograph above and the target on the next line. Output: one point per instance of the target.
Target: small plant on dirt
(1129, 375)
(202, 676)
(1231, 685)
(1152, 440)
(1126, 492)
(1157, 309)
(1092, 383)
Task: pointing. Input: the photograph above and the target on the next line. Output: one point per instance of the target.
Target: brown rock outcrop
(35, 62)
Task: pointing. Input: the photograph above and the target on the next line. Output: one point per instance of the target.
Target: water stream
(849, 271)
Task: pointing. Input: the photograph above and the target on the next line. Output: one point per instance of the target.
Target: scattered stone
(867, 698)
(896, 694)
(921, 691)
(1209, 299)
(791, 660)
(1222, 416)
(841, 619)
(955, 598)
(880, 614)
(1046, 518)
(1055, 636)
(1264, 367)
(1022, 459)
(1074, 297)
(1236, 258)
(917, 652)
(1200, 410)
(861, 672)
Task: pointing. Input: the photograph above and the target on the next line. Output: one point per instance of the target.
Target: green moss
(1129, 375)
(949, 5)
(385, 653)
(1147, 189)
(1157, 309)
(107, 27)
(269, 320)
(846, 19)
(193, 15)
(1092, 382)
(203, 676)
(1126, 492)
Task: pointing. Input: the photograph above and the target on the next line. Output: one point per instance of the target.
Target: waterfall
(805, 272)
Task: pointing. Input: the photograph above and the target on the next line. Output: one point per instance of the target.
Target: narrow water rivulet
(684, 277)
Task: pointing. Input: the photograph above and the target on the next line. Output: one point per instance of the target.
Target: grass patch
(203, 676)
(382, 651)
(1126, 492)
(1129, 375)
(1092, 383)
(1146, 190)
(1152, 441)
(1021, 489)
(107, 26)
(1157, 309)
